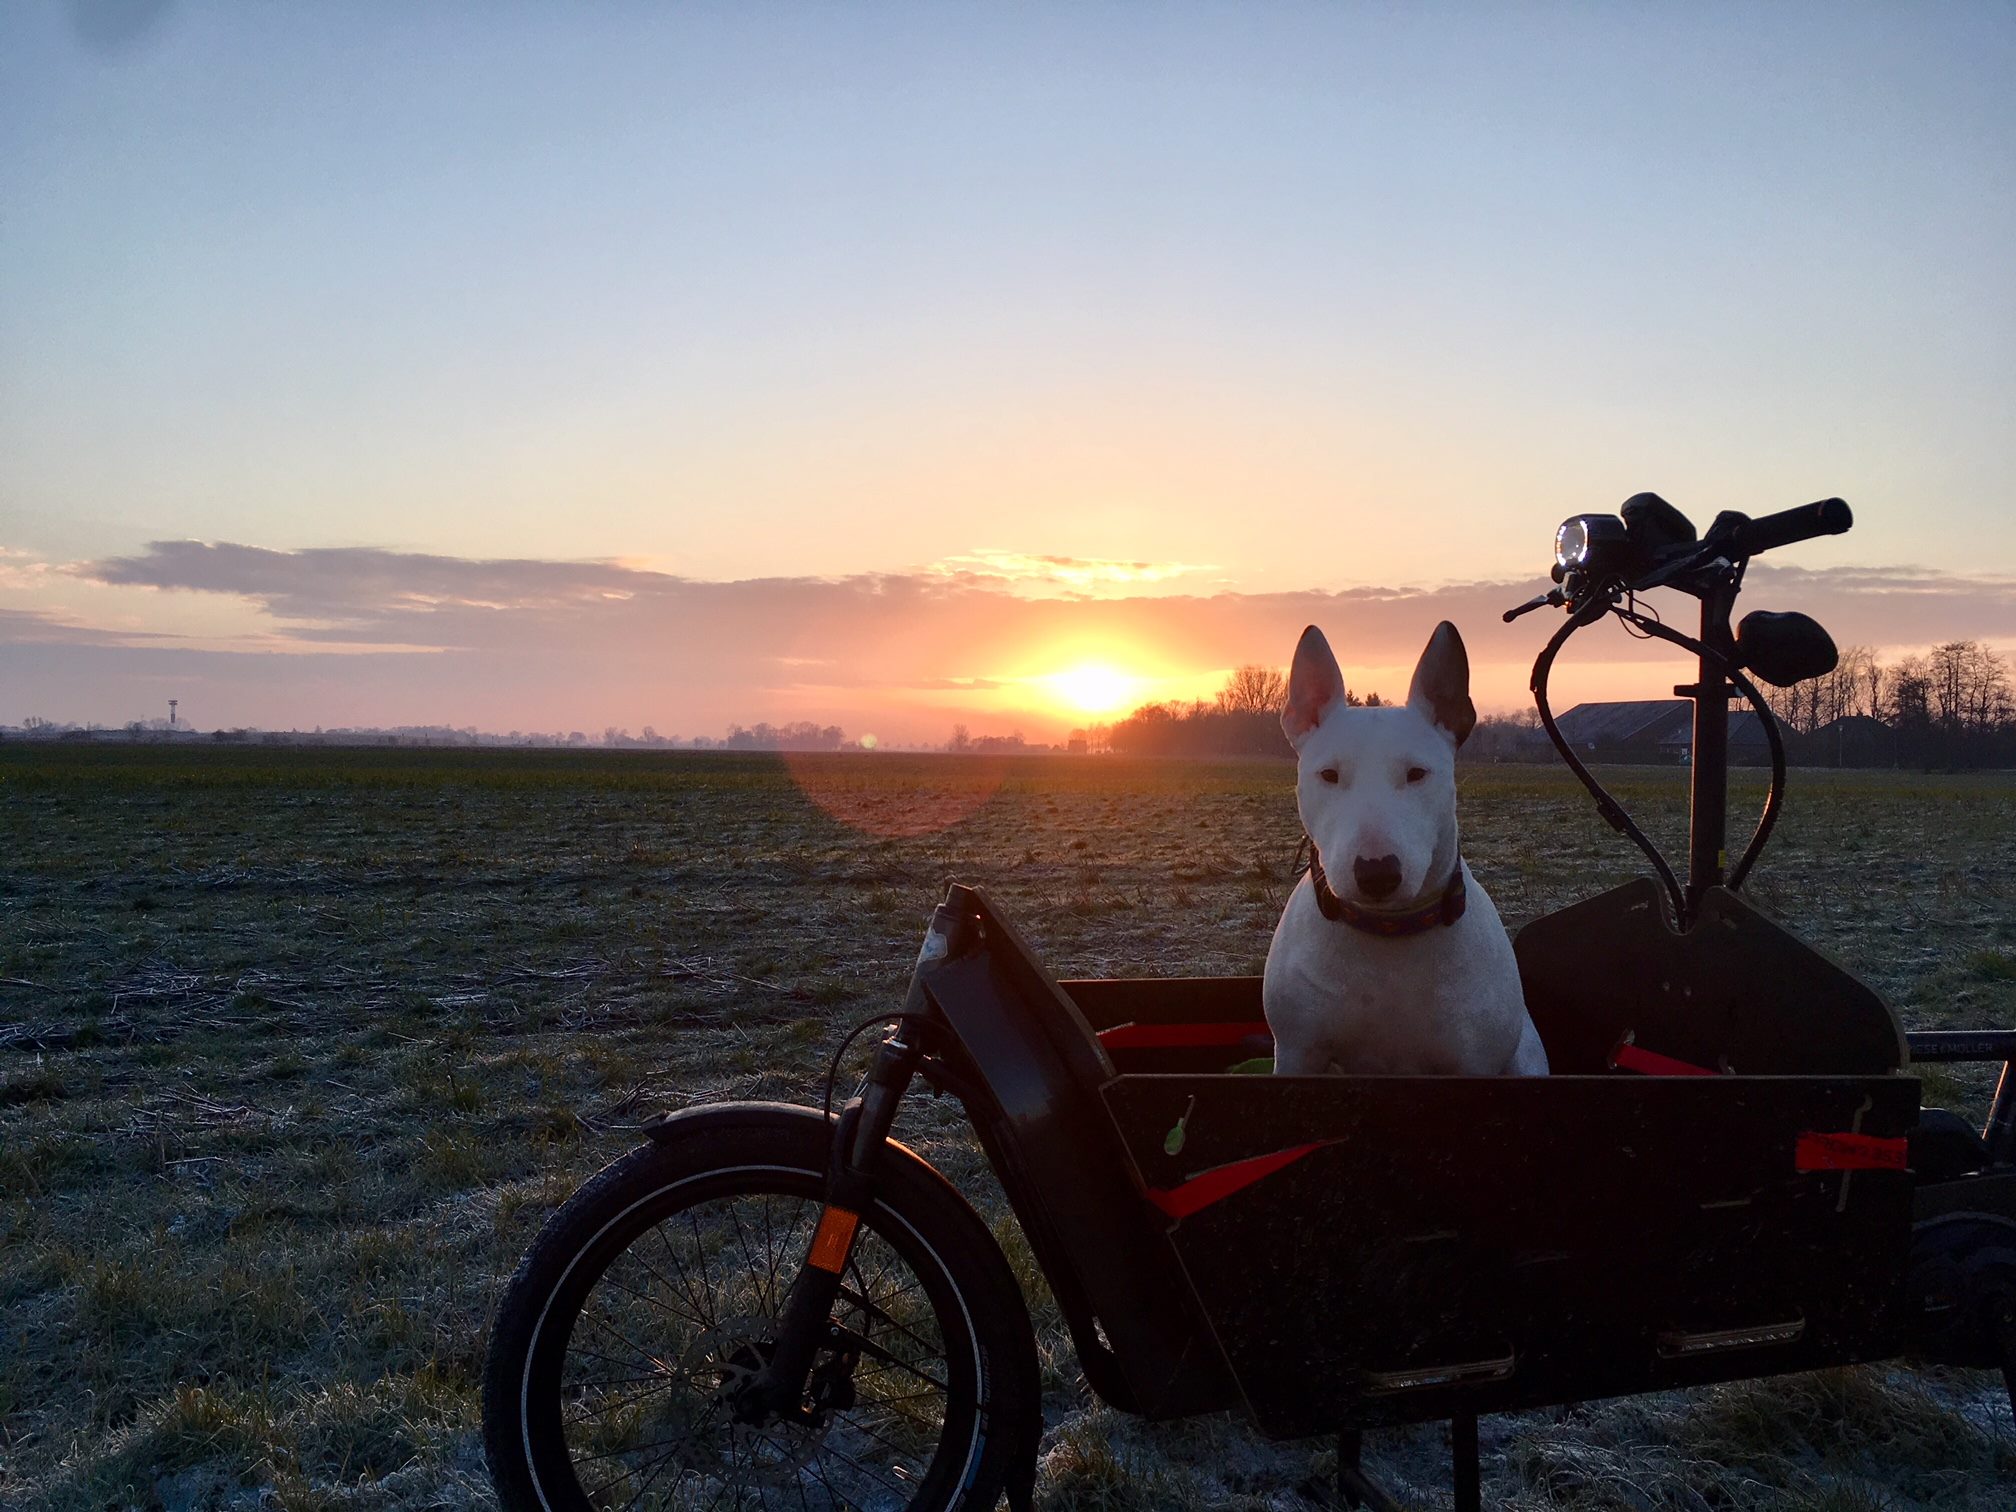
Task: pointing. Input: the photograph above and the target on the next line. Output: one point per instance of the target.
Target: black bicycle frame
(1708, 781)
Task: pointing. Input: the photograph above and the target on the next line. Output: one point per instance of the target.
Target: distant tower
(171, 712)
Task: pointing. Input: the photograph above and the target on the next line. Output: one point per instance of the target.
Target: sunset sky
(543, 367)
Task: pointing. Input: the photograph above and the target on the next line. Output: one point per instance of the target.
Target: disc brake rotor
(771, 1454)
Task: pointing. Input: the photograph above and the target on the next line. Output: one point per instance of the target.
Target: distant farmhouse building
(1853, 740)
(1654, 730)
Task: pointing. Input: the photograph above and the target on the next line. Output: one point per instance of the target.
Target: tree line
(799, 735)
(1244, 719)
(1952, 706)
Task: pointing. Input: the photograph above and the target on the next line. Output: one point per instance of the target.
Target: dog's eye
(1328, 774)
(1415, 774)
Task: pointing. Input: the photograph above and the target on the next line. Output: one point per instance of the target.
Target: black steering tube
(1774, 796)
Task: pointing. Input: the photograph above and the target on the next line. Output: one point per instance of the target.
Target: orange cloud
(1092, 576)
(542, 644)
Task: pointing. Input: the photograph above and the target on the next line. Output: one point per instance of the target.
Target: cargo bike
(1728, 1175)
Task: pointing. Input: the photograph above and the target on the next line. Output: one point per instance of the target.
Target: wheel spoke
(706, 1278)
(861, 1282)
(866, 1470)
(797, 1480)
(704, 1308)
(584, 1350)
(641, 1356)
(638, 1496)
(909, 1417)
(680, 1442)
(650, 1301)
(832, 1490)
(630, 1401)
(875, 1312)
(876, 1351)
(715, 1500)
(767, 1295)
(679, 1289)
(642, 1353)
(606, 1381)
(769, 1244)
(668, 1340)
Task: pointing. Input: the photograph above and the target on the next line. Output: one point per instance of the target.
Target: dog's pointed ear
(1441, 689)
(1315, 686)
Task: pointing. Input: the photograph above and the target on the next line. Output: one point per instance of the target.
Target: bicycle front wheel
(656, 1291)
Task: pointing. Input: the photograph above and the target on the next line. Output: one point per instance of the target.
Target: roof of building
(1854, 724)
(1647, 721)
(1663, 722)
(1746, 732)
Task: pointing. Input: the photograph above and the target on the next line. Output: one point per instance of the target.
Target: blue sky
(1285, 297)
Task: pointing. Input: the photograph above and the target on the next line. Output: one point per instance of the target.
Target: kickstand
(1463, 1450)
(1352, 1484)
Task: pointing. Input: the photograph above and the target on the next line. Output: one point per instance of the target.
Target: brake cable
(1774, 796)
(1590, 611)
(833, 1066)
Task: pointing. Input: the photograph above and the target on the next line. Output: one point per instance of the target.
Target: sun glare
(1093, 688)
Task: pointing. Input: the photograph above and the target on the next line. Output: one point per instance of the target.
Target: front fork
(860, 1138)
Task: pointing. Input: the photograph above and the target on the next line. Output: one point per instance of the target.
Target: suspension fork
(860, 1140)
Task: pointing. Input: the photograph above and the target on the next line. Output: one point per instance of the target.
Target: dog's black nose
(1376, 876)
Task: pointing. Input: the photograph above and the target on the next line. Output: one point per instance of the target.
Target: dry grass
(297, 1049)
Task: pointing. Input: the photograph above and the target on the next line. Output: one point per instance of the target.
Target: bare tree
(1853, 687)
(1817, 702)
(1967, 688)
(1253, 690)
(1796, 706)
(1907, 701)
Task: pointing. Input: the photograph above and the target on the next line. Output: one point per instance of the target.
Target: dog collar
(1445, 910)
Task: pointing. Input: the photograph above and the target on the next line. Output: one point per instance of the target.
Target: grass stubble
(298, 1048)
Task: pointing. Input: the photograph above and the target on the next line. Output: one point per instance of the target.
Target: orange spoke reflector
(835, 1237)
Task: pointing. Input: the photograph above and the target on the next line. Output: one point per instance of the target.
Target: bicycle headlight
(1584, 540)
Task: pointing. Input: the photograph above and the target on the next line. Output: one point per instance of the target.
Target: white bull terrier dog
(1389, 958)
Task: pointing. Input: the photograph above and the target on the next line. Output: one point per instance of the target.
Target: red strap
(1815, 1152)
(1220, 1182)
(1850, 1152)
(1629, 1057)
(1179, 1036)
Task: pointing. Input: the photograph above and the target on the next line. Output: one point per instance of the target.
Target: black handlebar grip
(1828, 517)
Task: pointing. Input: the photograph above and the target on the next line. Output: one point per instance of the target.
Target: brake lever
(1553, 599)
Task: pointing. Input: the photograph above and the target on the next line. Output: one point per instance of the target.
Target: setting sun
(1093, 687)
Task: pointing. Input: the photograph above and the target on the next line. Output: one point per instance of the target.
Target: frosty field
(298, 1047)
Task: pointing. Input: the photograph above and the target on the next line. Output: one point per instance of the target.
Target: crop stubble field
(298, 1048)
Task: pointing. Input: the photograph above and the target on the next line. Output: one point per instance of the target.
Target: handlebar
(1601, 564)
(1657, 548)
(1827, 517)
